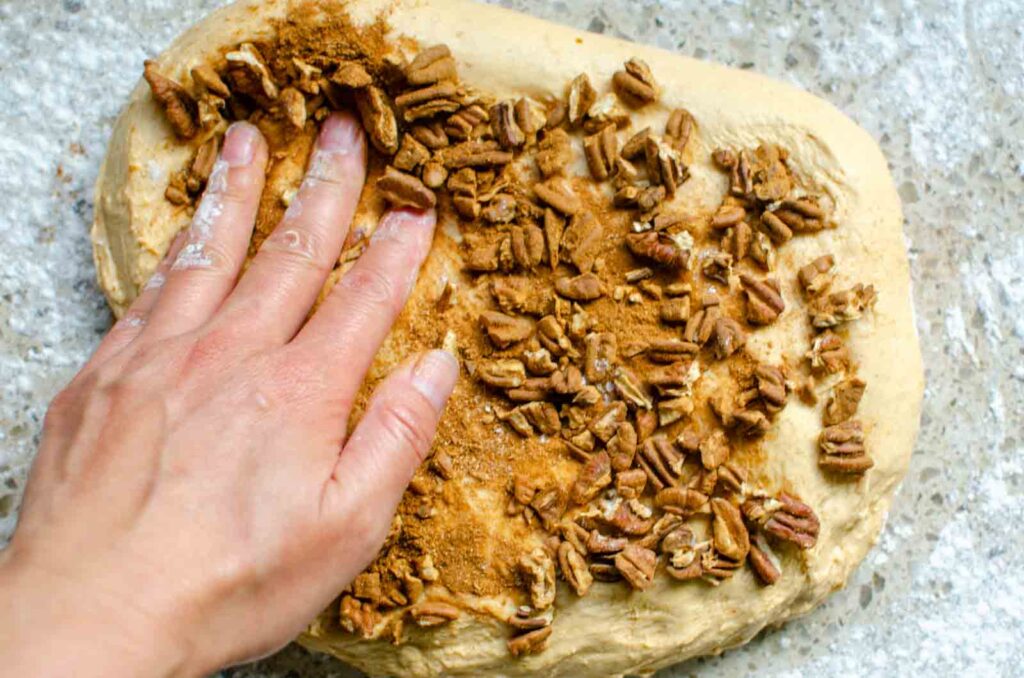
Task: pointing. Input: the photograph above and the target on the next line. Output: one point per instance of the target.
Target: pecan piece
(728, 216)
(358, 617)
(714, 450)
(538, 572)
(586, 287)
(554, 153)
(543, 417)
(179, 106)
(769, 175)
(378, 119)
(774, 228)
(429, 101)
(574, 569)
(670, 350)
(503, 124)
(636, 565)
(411, 154)
(248, 72)
(843, 404)
(763, 561)
(432, 65)
(664, 166)
(680, 501)
(816, 277)
(431, 135)
(473, 154)
(839, 307)
(557, 194)
(842, 448)
(662, 462)
(594, 476)
(202, 165)
(602, 151)
(505, 330)
(531, 642)
(764, 299)
(631, 389)
(729, 337)
(208, 80)
(771, 388)
(622, 447)
(291, 105)
(601, 353)
(431, 613)
(828, 353)
(504, 373)
(661, 248)
(635, 84)
(679, 128)
(552, 336)
(683, 554)
(582, 96)
(581, 241)
(465, 122)
(405, 190)
(731, 537)
(784, 517)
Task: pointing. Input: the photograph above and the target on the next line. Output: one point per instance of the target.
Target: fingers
(206, 268)
(130, 325)
(362, 307)
(283, 281)
(391, 441)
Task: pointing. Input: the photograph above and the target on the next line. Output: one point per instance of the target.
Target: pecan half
(680, 501)
(842, 448)
(574, 569)
(586, 287)
(504, 330)
(664, 166)
(662, 462)
(531, 642)
(636, 565)
(427, 102)
(464, 123)
(670, 350)
(784, 517)
(843, 404)
(764, 299)
(378, 119)
(602, 151)
(557, 194)
(763, 561)
(731, 537)
(661, 248)
(503, 124)
(432, 613)
(635, 83)
(771, 387)
(581, 97)
(622, 447)
(714, 450)
(473, 154)
(431, 65)
(631, 389)
(594, 476)
(179, 106)
(503, 373)
(828, 353)
(411, 154)
(405, 190)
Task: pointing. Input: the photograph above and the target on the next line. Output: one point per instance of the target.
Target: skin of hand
(196, 500)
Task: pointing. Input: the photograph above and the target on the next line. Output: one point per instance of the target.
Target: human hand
(195, 502)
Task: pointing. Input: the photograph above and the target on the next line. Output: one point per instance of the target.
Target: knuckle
(405, 422)
(370, 286)
(301, 248)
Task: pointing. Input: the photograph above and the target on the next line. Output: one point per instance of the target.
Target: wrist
(51, 624)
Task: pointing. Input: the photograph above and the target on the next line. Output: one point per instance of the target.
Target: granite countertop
(939, 84)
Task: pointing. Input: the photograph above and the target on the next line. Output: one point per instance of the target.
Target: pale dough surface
(611, 631)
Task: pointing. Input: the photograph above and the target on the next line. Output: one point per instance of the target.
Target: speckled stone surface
(940, 85)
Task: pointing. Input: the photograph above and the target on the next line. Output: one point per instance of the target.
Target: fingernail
(434, 377)
(340, 133)
(240, 144)
(401, 222)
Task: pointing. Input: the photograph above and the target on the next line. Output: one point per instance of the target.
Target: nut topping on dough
(616, 398)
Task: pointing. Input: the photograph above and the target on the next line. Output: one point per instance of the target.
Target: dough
(613, 630)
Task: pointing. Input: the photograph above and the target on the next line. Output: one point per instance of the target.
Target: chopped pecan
(463, 124)
(771, 387)
(505, 373)
(636, 145)
(434, 174)
(405, 190)
(585, 287)
(250, 75)
(670, 350)
(529, 115)
(769, 174)
(845, 398)
(177, 191)
(751, 423)
(631, 389)
(718, 266)
(581, 241)
(432, 613)
(378, 119)
(473, 154)
(728, 216)
(411, 154)
(636, 565)
(527, 240)
(774, 228)
(432, 65)
(208, 80)
(797, 221)
(679, 128)
(531, 642)
(662, 462)
(601, 353)
(429, 101)
(682, 553)
(567, 380)
(701, 325)
(543, 417)
(581, 97)
(463, 187)
(500, 210)
(557, 194)
(291, 105)
(622, 447)
(664, 166)
(714, 450)
(504, 330)
(352, 75)
(202, 165)
(828, 353)
(539, 362)
(179, 106)
(594, 476)
(784, 517)
(431, 135)
(503, 124)
(816, 277)
(630, 484)
(549, 505)
(763, 561)
(358, 617)
(730, 534)
(605, 111)
(725, 158)
(729, 337)
(538, 571)
(554, 153)
(635, 84)
(680, 501)
(574, 569)
(662, 248)
(762, 251)
(602, 150)
(677, 374)
(839, 307)
(554, 227)
(842, 448)
(552, 336)
(764, 299)
(674, 409)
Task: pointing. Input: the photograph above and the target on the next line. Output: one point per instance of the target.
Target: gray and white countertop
(939, 84)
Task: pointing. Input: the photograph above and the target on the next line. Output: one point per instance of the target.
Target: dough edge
(611, 631)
